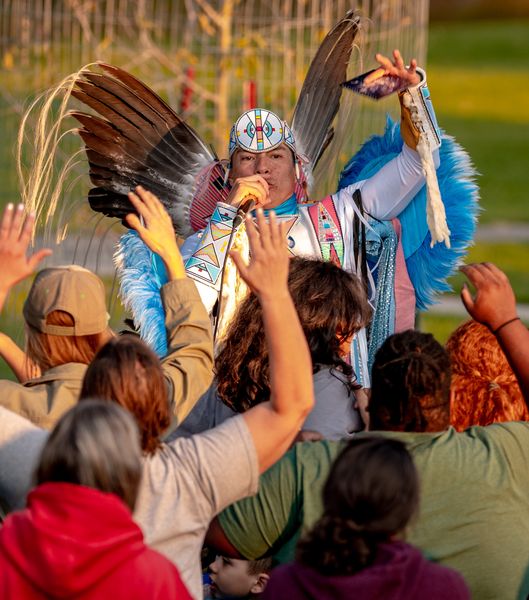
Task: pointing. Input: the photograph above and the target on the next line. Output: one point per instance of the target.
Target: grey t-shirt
(333, 415)
(185, 484)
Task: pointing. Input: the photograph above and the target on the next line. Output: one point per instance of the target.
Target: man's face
(276, 167)
(231, 578)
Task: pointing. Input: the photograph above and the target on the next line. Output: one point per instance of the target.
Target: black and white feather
(137, 139)
(319, 99)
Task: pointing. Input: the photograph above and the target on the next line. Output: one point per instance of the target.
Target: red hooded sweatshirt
(77, 542)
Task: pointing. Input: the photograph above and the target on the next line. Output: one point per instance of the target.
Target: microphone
(244, 208)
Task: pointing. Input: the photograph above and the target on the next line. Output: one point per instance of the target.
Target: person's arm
(494, 305)
(188, 365)
(387, 193)
(21, 365)
(15, 235)
(21, 443)
(155, 228)
(274, 424)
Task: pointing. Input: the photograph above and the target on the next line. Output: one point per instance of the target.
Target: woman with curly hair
(355, 550)
(484, 387)
(332, 306)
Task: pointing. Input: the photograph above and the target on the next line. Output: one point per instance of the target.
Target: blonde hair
(95, 444)
(49, 351)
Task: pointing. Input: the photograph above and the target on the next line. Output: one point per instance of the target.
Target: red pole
(187, 92)
(250, 95)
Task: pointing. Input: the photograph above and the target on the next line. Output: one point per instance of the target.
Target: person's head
(66, 317)
(128, 372)
(233, 578)
(410, 384)
(484, 388)
(332, 306)
(262, 144)
(369, 498)
(95, 444)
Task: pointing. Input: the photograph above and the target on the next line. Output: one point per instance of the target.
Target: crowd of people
(267, 468)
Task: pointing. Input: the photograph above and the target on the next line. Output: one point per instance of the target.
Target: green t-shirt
(474, 514)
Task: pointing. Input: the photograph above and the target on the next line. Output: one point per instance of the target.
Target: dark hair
(371, 494)
(95, 444)
(128, 372)
(332, 306)
(410, 384)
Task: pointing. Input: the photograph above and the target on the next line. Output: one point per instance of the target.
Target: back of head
(66, 316)
(126, 371)
(332, 306)
(410, 384)
(371, 494)
(94, 444)
(484, 387)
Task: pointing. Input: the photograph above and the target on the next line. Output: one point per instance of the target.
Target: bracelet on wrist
(495, 331)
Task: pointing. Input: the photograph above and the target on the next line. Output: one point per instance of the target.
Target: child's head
(233, 578)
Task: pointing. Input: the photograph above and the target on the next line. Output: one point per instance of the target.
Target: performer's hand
(15, 236)
(156, 231)
(267, 273)
(253, 186)
(494, 302)
(397, 68)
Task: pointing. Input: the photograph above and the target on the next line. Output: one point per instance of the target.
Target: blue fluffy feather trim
(140, 290)
(428, 267)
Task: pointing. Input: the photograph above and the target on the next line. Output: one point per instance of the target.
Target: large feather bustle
(137, 139)
(319, 98)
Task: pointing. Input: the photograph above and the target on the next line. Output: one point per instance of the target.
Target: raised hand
(253, 186)
(15, 235)
(395, 68)
(494, 302)
(156, 231)
(267, 273)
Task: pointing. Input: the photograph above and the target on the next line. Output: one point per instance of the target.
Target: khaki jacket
(188, 366)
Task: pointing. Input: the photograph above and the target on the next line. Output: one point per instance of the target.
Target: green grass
(480, 44)
(511, 258)
(479, 78)
(439, 325)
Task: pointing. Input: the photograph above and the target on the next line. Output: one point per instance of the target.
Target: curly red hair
(484, 388)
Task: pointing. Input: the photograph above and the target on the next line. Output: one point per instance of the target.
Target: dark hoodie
(77, 542)
(400, 572)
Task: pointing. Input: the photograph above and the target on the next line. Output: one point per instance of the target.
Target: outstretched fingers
(7, 218)
(397, 59)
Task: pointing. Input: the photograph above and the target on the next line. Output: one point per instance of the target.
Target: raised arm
(188, 365)
(274, 424)
(387, 193)
(494, 305)
(15, 236)
(18, 361)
